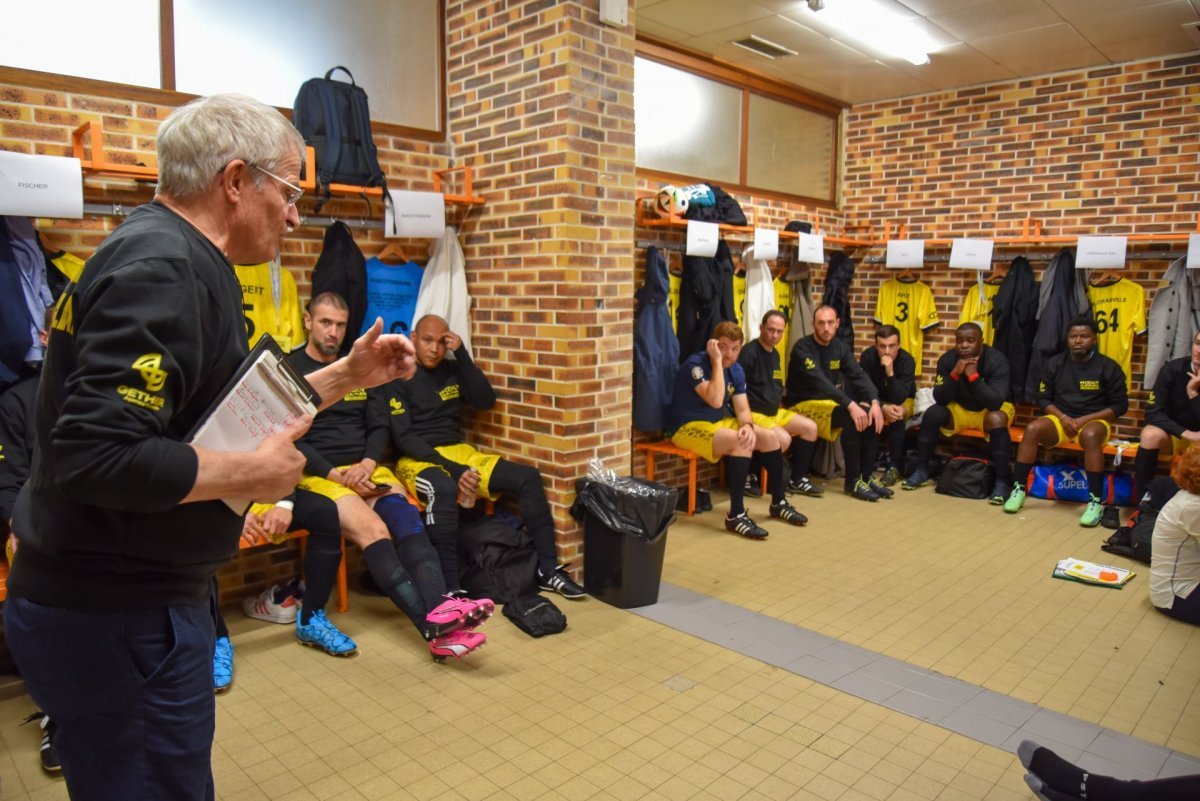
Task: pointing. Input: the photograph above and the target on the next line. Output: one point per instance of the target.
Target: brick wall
(540, 102)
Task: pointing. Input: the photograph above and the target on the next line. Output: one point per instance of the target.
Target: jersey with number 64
(1120, 311)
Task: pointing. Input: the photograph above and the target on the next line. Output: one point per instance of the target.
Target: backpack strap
(343, 69)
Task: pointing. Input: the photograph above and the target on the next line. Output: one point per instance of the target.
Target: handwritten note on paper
(419, 215)
(905, 254)
(702, 238)
(766, 244)
(972, 254)
(1100, 252)
(810, 248)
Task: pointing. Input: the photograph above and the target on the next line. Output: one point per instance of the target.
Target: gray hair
(197, 140)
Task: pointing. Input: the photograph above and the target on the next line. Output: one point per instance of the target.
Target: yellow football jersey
(783, 302)
(909, 306)
(283, 320)
(673, 282)
(1120, 311)
(979, 310)
(69, 265)
(739, 298)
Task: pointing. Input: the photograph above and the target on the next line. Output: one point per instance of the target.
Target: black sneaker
(861, 490)
(919, 478)
(753, 489)
(879, 489)
(560, 581)
(890, 477)
(49, 753)
(742, 524)
(804, 486)
(1111, 518)
(787, 513)
(999, 493)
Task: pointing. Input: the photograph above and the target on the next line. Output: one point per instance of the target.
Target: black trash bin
(624, 538)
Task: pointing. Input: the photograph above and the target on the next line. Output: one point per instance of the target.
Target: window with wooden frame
(698, 120)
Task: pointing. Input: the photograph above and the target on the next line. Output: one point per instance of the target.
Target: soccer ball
(666, 196)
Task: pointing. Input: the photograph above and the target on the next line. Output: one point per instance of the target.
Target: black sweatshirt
(426, 410)
(988, 390)
(1083, 389)
(1170, 407)
(345, 432)
(901, 385)
(139, 349)
(17, 424)
(764, 377)
(826, 372)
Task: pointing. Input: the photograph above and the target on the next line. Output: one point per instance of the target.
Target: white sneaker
(265, 607)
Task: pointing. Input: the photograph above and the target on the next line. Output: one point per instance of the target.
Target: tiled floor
(800, 667)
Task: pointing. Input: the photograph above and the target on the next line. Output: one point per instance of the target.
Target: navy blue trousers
(131, 694)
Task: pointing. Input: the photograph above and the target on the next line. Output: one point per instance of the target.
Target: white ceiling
(982, 40)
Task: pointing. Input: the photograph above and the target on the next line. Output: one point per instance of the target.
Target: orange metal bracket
(90, 133)
(468, 196)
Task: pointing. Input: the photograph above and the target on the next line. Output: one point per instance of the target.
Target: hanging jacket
(15, 338)
(724, 209)
(341, 268)
(838, 278)
(444, 287)
(1014, 322)
(760, 293)
(1174, 319)
(31, 266)
(705, 298)
(1063, 296)
(655, 348)
(800, 323)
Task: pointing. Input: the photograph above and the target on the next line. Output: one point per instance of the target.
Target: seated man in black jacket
(970, 391)
(826, 384)
(1172, 417)
(438, 467)
(1083, 392)
(893, 372)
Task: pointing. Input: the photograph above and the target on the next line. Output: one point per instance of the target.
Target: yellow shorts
(460, 452)
(1062, 435)
(821, 413)
(332, 490)
(698, 436)
(778, 420)
(960, 418)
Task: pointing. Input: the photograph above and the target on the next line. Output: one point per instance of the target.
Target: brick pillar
(540, 102)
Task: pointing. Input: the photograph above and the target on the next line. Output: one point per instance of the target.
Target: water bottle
(467, 499)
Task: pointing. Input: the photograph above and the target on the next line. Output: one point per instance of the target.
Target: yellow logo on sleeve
(396, 405)
(149, 366)
(809, 364)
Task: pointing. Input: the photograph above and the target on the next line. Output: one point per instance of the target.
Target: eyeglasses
(294, 192)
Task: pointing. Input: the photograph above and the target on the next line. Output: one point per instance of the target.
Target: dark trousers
(894, 435)
(1185, 609)
(858, 447)
(131, 694)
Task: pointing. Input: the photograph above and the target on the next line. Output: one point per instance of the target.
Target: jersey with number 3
(909, 306)
(1120, 311)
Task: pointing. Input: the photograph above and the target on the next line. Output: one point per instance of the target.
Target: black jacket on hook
(341, 268)
(655, 348)
(1014, 317)
(1063, 303)
(705, 298)
(838, 278)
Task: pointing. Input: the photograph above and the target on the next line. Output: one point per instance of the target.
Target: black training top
(764, 377)
(17, 424)
(344, 433)
(1170, 407)
(1081, 389)
(139, 349)
(826, 372)
(901, 385)
(988, 390)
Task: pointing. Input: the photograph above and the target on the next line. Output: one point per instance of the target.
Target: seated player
(710, 416)
(1172, 416)
(893, 372)
(969, 391)
(1083, 392)
(438, 467)
(826, 384)
(342, 449)
(764, 390)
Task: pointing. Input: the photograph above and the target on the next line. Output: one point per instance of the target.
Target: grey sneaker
(890, 477)
(919, 478)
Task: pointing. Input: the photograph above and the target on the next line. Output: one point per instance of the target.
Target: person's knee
(995, 420)
(1153, 437)
(765, 439)
(1091, 438)
(935, 417)
(804, 428)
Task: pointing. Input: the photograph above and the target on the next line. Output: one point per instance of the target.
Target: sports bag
(535, 615)
(967, 477)
(496, 560)
(335, 119)
(1133, 539)
(1068, 482)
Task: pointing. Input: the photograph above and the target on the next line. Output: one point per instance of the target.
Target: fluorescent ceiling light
(876, 26)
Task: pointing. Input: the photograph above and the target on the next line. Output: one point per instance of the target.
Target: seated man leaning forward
(970, 391)
(1083, 391)
(437, 466)
(826, 384)
(710, 416)
(893, 372)
(1172, 417)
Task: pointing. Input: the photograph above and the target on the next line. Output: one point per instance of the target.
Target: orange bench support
(666, 448)
(3, 579)
(343, 595)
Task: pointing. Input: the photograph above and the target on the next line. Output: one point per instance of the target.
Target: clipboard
(263, 397)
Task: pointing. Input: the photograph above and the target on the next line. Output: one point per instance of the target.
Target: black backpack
(1133, 539)
(334, 118)
(535, 615)
(496, 560)
(967, 477)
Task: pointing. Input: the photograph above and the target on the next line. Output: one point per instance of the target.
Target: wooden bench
(1017, 433)
(666, 448)
(343, 599)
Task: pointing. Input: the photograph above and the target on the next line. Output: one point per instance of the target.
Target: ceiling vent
(767, 49)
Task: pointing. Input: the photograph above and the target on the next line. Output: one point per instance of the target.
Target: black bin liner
(624, 538)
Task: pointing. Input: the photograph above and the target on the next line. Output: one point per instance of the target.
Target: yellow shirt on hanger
(1120, 312)
(283, 320)
(783, 302)
(739, 298)
(979, 310)
(673, 282)
(909, 306)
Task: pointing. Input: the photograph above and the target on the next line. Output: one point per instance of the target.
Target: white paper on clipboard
(264, 398)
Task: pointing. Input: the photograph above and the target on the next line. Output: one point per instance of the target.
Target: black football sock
(773, 461)
(935, 418)
(1096, 484)
(1001, 443)
(802, 456)
(421, 560)
(395, 581)
(322, 555)
(1145, 465)
(737, 468)
(1056, 772)
(1021, 472)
